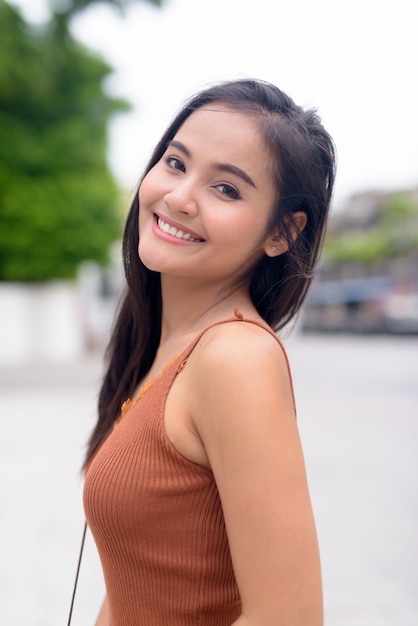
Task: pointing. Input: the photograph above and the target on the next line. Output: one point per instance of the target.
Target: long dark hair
(303, 170)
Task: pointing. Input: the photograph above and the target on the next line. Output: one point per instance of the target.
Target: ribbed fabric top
(157, 521)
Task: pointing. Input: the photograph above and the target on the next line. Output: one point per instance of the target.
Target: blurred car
(372, 305)
(400, 312)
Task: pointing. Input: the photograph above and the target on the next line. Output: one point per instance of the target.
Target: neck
(188, 307)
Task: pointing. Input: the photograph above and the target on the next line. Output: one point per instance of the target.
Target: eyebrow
(180, 146)
(233, 169)
(223, 167)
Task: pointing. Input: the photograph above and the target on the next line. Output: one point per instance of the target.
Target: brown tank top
(157, 521)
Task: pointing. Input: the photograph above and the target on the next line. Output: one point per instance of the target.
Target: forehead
(220, 127)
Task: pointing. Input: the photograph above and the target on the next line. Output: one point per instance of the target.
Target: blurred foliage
(71, 7)
(58, 198)
(64, 10)
(393, 234)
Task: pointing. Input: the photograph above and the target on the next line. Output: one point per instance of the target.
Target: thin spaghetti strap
(176, 364)
(239, 318)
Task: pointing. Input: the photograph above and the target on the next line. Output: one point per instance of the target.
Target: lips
(177, 230)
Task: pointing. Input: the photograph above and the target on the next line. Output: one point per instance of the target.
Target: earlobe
(277, 244)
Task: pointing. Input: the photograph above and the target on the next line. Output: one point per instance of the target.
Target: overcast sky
(356, 62)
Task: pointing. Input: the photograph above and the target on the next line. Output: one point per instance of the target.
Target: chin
(149, 260)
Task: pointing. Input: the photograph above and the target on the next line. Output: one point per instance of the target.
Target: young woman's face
(205, 206)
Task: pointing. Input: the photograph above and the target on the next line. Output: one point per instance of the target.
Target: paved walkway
(358, 417)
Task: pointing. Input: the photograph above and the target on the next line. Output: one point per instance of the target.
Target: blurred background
(86, 89)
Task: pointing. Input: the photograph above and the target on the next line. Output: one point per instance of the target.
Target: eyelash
(229, 191)
(172, 159)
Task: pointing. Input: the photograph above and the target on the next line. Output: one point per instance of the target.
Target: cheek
(147, 191)
(145, 196)
(244, 231)
(152, 187)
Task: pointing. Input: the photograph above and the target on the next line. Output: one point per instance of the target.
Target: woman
(195, 491)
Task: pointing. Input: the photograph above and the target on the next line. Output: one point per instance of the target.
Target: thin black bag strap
(77, 573)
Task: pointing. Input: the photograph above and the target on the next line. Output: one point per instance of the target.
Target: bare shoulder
(227, 341)
(240, 354)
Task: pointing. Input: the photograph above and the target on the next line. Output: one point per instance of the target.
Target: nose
(182, 198)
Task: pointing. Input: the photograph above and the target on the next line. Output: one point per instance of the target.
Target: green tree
(58, 198)
(64, 10)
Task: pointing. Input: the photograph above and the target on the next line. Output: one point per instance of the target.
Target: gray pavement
(358, 417)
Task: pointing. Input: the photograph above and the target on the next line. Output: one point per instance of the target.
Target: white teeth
(172, 230)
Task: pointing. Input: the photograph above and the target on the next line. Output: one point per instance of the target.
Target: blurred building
(58, 321)
(368, 277)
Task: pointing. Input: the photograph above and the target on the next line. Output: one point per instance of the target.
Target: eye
(175, 163)
(229, 191)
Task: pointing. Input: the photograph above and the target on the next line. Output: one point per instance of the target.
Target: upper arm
(245, 417)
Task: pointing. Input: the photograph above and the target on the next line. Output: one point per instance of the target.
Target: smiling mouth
(176, 232)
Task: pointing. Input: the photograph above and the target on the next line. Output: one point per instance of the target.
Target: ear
(276, 243)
